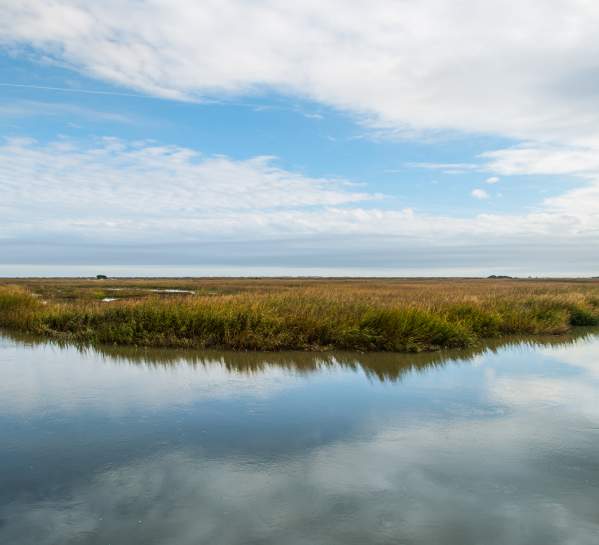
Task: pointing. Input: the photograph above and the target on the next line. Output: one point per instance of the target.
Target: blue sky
(283, 147)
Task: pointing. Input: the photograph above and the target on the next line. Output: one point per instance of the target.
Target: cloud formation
(522, 70)
(139, 202)
(116, 177)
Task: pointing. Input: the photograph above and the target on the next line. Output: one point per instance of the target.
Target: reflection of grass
(385, 315)
(384, 366)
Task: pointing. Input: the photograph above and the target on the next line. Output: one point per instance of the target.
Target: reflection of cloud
(574, 393)
(580, 355)
(466, 473)
(567, 395)
(415, 482)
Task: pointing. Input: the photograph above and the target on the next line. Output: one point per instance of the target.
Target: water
(495, 446)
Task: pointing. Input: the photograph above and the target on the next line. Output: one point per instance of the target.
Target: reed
(297, 314)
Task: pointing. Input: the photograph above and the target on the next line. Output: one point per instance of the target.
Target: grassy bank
(383, 315)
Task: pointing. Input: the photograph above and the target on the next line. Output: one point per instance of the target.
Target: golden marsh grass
(399, 315)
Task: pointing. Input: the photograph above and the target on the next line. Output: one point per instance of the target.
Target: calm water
(498, 446)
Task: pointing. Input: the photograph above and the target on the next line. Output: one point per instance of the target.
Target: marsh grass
(295, 314)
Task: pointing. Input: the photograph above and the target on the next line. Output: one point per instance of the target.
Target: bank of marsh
(297, 314)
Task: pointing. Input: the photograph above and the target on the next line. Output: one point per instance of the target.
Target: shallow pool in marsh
(122, 446)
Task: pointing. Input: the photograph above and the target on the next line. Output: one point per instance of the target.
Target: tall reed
(325, 315)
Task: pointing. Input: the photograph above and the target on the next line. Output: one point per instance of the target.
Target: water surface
(122, 446)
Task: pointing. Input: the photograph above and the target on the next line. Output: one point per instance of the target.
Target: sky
(394, 138)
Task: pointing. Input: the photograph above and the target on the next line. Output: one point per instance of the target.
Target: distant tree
(101, 277)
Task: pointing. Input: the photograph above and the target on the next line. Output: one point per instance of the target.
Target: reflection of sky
(50, 378)
(559, 378)
(498, 450)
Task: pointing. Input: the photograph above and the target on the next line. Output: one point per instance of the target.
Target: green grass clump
(581, 316)
(351, 316)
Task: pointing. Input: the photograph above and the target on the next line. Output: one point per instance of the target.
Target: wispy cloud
(138, 202)
(29, 108)
(447, 168)
(143, 178)
(74, 90)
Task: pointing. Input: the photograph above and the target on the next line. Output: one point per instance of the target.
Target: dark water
(496, 446)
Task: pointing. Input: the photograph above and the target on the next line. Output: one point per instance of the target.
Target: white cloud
(139, 202)
(537, 159)
(492, 180)
(404, 67)
(582, 203)
(525, 71)
(143, 179)
(480, 194)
